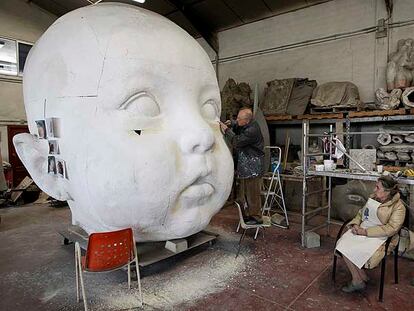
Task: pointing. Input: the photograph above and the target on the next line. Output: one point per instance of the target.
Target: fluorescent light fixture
(139, 1)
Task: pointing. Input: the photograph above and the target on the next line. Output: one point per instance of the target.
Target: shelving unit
(345, 123)
(367, 176)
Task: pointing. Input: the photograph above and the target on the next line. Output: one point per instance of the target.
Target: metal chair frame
(79, 269)
(246, 227)
(383, 261)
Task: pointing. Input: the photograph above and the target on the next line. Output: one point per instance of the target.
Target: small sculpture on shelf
(400, 66)
(233, 97)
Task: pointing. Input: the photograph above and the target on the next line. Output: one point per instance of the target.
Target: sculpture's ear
(33, 152)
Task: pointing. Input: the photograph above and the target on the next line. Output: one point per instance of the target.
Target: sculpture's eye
(142, 105)
(209, 110)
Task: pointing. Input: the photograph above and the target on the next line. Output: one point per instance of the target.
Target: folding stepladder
(272, 190)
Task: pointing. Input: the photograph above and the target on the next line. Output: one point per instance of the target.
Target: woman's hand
(362, 231)
(358, 230)
(354, 229)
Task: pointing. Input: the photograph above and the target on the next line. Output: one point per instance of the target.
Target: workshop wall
(332, 41)
(23, 21)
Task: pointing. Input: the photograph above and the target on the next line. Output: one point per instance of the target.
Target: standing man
(249, 147)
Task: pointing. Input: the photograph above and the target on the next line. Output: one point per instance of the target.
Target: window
(23, 49)
(13, 56)
(8, 58)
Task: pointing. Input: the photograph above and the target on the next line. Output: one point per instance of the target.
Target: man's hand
(223, 127)
(228, 123)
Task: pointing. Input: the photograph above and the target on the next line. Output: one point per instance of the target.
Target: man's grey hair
(248, 113)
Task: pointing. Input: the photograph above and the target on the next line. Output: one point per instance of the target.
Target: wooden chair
(383, 261)
(107, 251)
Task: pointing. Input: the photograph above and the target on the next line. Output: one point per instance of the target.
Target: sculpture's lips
(198, 190)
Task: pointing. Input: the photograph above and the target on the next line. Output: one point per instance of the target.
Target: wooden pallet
(279, 117)
(377, 113)
(333, 109)
(321, 116)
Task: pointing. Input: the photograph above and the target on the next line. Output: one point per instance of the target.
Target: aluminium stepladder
(272, 190)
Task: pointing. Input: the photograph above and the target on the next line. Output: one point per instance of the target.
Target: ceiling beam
(207, 34)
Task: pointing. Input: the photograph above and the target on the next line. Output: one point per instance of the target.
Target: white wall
(359, 58)
(22, 21)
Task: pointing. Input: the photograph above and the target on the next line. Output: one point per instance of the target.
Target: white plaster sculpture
(387, 101)
(408, 97)
(138, 102)
(400, 66)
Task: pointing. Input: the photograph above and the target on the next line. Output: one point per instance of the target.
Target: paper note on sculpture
(138, 103)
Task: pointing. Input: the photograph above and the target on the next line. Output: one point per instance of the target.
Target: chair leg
(241, 238)
(129, 276)
(81, 277)
(334, 268)
(238, 227)
(77, 275)
(381, 290)
(396, 265)
(257, 232)
(138, 274)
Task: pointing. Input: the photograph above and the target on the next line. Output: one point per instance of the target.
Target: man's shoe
(253, 220)
(258, 219)
(350, 288)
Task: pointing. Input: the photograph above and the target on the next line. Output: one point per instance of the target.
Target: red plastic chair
(107, 251)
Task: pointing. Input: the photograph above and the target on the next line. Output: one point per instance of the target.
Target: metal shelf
(352, 120)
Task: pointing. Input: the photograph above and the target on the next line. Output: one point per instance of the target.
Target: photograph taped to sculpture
(138, 103)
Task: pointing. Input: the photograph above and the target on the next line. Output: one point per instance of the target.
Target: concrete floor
(274, 273)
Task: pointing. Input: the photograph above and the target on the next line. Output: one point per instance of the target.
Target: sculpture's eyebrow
(134, 97)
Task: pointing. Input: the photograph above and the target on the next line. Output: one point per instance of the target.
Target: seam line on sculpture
(103, 65)
(166, 212)
(77, 96)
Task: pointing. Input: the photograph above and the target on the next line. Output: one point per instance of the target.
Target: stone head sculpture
(137, 102)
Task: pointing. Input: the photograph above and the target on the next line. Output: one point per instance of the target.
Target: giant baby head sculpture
(137, 102)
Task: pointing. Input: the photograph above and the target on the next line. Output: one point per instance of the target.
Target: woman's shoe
(350, 288)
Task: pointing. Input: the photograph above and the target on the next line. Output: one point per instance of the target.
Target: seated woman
(363, 244)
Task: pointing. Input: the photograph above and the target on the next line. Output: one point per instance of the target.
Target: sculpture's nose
(196, 137)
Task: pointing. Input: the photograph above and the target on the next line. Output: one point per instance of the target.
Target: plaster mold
(137, 102)
(400, 66)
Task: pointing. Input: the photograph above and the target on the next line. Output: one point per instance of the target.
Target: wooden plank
(332, 109)
(377, 113)
(394, 168)
(24, 184)
(148, 252)
(321, 116)
(279, 117)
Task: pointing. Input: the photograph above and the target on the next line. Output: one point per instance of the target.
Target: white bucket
(329, 165)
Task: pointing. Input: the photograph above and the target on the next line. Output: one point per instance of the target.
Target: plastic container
(329, 165)
(319, 167)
